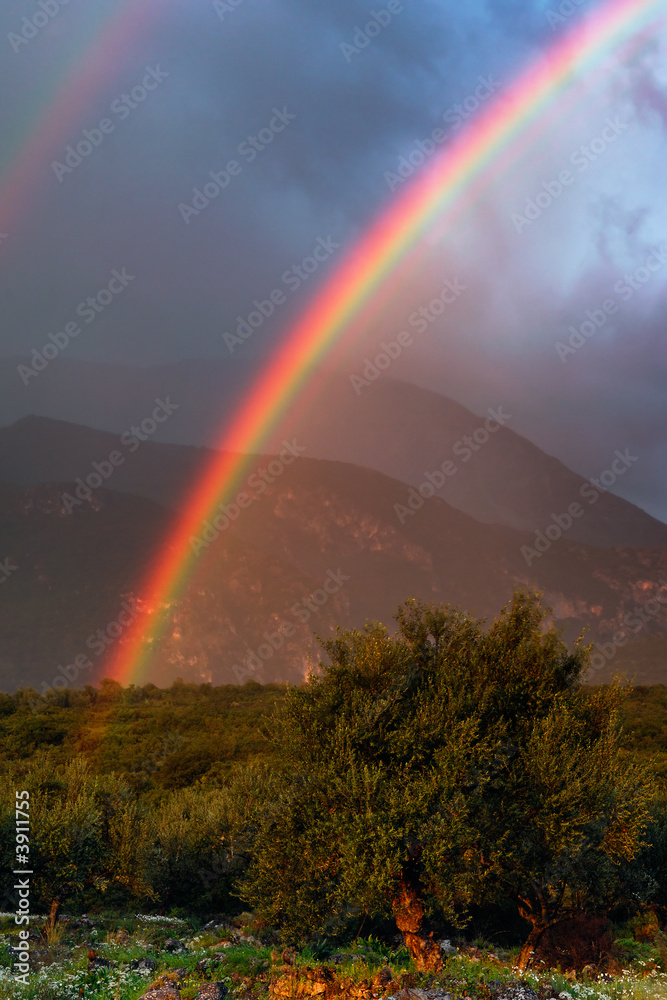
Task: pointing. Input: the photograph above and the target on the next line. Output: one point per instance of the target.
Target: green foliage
(157, 739)
(645, 720)
(198, 838)
(469, 763)
(155, 798)
(248, 969)
(85, 831)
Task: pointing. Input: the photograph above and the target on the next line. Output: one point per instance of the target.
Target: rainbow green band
(454, 178)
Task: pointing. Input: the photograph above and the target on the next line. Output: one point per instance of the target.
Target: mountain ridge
(322, 546)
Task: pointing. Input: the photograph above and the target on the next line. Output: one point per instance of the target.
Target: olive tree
(446, 765)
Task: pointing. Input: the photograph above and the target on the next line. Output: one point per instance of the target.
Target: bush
(445, 767)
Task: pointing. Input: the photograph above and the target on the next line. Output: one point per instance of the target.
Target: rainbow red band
(351, 291)
(453, 180)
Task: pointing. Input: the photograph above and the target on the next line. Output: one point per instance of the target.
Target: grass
(59, 970)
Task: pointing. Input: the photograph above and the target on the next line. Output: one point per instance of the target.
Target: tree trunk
(530, 944)
(52, 917)
(409, 915)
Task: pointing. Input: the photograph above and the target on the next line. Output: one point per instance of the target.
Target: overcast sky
(339, 121)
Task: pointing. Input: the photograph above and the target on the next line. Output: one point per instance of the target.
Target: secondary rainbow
(27, 174)
(451, 181)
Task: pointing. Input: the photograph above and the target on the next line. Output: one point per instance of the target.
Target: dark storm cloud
(323, 176)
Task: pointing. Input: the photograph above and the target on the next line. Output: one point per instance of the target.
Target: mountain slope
(406, 432)
(37, 450)
(392, 427)
(325, 544)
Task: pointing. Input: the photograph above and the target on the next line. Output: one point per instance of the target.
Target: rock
(169, 979)
(382, 978)
(95, 962)
(414, 993)
(312, 983)
(174, 945)
(393, 987)
(169, 992)
(205, 965)
(448, 947)
(495, 986)
(548, 988)
(283, 987)
(433, 994)
(516, 991)
(212, 991)
(361, 990)
(143, 965)
(242, 938)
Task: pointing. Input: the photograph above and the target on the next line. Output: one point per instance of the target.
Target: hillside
(393, 427)
(161, 739)
(326, 544)
(503, 478)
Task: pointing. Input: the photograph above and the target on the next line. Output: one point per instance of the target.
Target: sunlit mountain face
(310, 544)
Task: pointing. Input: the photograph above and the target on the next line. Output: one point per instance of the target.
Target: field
(251, 964)
(172, 752)
(165, 739)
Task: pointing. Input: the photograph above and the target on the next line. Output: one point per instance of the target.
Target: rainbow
(28, 164)
(454, 179)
